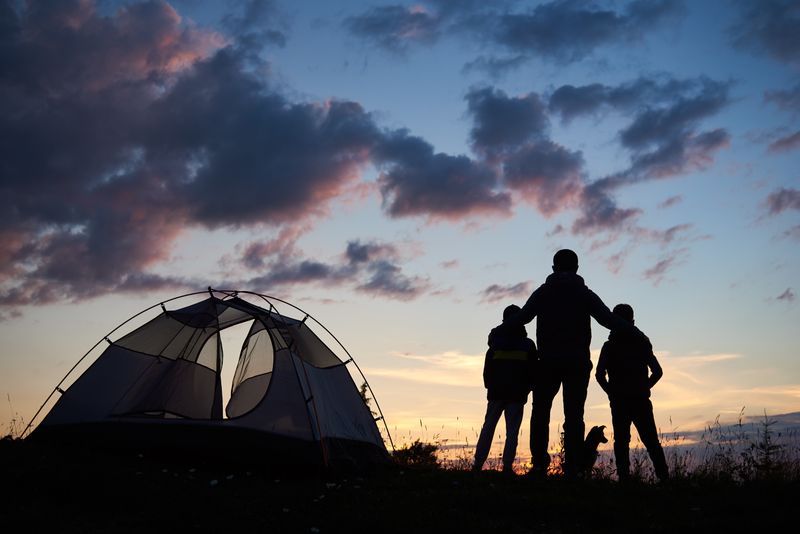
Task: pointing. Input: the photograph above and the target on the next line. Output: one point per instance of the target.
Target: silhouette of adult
(563, 306)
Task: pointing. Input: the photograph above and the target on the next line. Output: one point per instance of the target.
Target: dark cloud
(599, 212)
(782, 200)
(511, 132)
(257, 22)
(571, 102)
(416, 181)
(771, 27)
(787, 296)
(562, 31)
(503, 123)
(125, 129)
(495, 67)
(663, 135)
(370, 267)
(569, 30)
(268, 158)
(514, 292)
(671, 201)
(678, 155)
(545, 174)
(659, 270)
(394, 27)
(787, 100)
(387, 280)
(785, 144)
(655, 125)
(358, 252)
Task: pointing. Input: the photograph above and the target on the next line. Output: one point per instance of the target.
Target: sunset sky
(403, 171)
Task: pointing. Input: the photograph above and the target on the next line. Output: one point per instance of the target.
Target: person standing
(563, 307)
(632, 370)
(508, 373)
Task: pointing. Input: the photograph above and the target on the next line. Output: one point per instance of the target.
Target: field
(92, 491)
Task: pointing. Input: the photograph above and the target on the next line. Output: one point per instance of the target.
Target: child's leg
(621, 422)
(493, 411)
(513, 414)
(646, 426)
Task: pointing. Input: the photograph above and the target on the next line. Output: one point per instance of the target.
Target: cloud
(512, 132)
(370, 267)
(549, 31)
(502, 123)
(787, 99)
(782, 200)
(387, 280)
(496, 293)
(671, 201)
(683, 111)
(256, 22)
(771, 28)
(787, 296)
(659, 270)
(416, 181)
(785, 144)
(394, 27)
(662, 138)
(547, 175)
(153, 126)
(565, 31)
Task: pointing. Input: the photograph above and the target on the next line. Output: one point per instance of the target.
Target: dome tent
(159, 387)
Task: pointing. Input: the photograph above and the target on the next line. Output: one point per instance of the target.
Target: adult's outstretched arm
(606, 318)
(529, 310)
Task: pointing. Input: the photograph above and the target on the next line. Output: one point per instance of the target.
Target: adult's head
(565, 261)
(625, 311)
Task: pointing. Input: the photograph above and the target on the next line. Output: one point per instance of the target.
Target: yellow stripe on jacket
(510, 355)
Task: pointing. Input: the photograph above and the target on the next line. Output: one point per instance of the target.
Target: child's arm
(655, 369)
(600, 372)
(486, 368)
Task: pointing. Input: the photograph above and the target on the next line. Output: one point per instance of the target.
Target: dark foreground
(45, 490)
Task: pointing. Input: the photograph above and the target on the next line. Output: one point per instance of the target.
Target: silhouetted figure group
(563, 307)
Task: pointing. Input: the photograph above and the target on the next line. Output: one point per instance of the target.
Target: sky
(403, 171)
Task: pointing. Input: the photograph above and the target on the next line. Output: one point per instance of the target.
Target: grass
(734, 478)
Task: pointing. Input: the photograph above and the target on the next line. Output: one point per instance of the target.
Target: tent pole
(322, 446)
(268, 299)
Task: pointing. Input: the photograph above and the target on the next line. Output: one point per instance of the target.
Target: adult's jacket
(510, 365)
(564, 306)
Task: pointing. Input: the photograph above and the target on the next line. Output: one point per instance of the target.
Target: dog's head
(596, 435)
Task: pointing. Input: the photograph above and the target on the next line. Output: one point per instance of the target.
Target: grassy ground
(97, 492)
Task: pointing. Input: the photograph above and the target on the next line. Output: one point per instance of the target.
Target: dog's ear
(603, 437)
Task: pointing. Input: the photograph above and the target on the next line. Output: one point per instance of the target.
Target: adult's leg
(576, 384)
(621, 422)
(546, 388)
(513, 415)
(645, 424)
(494, 409)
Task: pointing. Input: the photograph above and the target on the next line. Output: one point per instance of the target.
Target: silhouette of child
(626, 358)
(508, 373)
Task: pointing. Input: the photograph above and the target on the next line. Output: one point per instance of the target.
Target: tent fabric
(288, 383)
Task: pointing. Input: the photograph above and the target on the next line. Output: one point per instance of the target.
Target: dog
(594, 438)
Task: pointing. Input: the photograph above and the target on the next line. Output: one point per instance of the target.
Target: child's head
(625, 311)
(511, 311)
